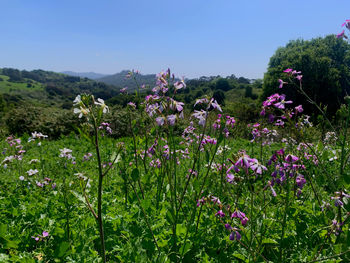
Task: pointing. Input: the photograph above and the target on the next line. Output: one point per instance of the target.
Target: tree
(219, 96)
(222, 84)
(324, 63)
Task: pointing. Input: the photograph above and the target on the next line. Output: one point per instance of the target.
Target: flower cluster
(41, 237)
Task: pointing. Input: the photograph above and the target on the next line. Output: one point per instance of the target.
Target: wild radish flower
(230, 178)
(179, 84)
(341, 34)
(201, 101)
(37, 135)
(41, 237)
(21, 178)
(291, 158)
(123, 90)
(299, 109)
(171, 119)
(132, 105)
(220, 213)
(160, 121)
(235, 235)
(215, 104)
(101, 103)
(66, 153)
(281, 83)
(257, 167)
(200, 201)
(201, 116)
(282, 102)
(34, 161)
(32, 172)
(77, 100)
(288, 70)
(81, 111)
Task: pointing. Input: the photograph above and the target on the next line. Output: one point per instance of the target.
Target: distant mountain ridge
(120, 80)
(89, 75)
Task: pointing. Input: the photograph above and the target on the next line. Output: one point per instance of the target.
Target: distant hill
(48, 88)
(89, 75)
(120, 80)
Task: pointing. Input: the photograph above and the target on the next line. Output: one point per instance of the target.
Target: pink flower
(288, 70)
(299, 109)
(281, 82)
(341, 34)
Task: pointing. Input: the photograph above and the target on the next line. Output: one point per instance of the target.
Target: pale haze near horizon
(193, 38)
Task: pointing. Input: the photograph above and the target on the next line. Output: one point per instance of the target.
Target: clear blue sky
(192, 37)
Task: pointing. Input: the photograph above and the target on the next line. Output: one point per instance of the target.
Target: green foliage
(324, 63)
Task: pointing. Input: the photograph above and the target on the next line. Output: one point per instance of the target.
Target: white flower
(33, 161)
(77, 100)
(32, 172)
(102, 104)
(81, 111)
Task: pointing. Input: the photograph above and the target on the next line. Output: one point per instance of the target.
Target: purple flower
(201, 116)
(299, 109)
(230, 178)
(235, 235)
(282, 102)
(45, 234)
(291, 158)
(220, 213)
(228, 226)
(281, 82)
(160, 121)
(171, 119)
(215, 105)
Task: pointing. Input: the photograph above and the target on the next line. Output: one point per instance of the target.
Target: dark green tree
(324, 63)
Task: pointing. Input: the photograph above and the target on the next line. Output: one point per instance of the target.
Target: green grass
(7, 86)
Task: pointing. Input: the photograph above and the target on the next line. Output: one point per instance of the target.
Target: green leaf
(3, 230)
(207, 156)
(170, 216)
(135, 174)
(185, 248)
(239, 256)
(269, 241)
(61, 250)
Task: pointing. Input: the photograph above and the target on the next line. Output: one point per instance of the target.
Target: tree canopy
(324, 63)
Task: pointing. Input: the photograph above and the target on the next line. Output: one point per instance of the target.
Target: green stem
(99, 197)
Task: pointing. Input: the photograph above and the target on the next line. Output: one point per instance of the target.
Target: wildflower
(21, 178)
(235, 235)
(132, 105)
(215, 104)
(81, 111)
(123, 90)
(101, 103)
(257, 167)
(341, 34)
(77, 100)
(171, 119)
(32, 172)
(220, 213)
(299, 109)
(179, 84)
(291, 158)
(201, 116)
(281, 82)
(230, 178)
(288, 70)
(282, 102)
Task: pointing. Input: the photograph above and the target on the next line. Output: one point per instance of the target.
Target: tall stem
(99, 198)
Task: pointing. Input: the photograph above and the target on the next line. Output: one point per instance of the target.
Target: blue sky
(192, 37)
